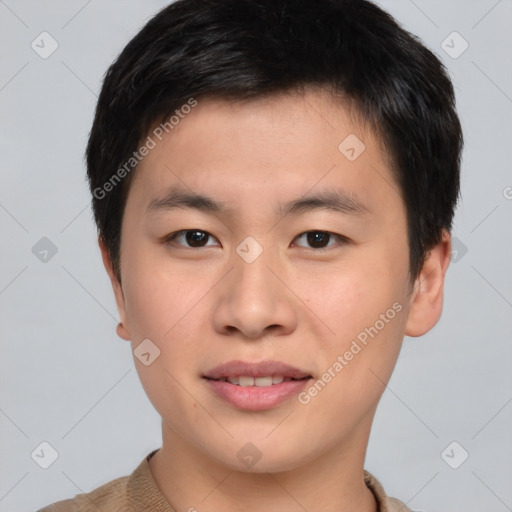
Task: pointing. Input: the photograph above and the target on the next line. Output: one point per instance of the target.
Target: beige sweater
(138, 492)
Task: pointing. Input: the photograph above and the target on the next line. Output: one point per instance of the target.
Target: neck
(189, 480)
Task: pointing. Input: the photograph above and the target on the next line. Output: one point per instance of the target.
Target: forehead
(286, 144)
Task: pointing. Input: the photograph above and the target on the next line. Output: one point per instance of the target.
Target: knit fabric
(139, 492)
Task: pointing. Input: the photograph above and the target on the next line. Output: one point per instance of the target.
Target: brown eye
(191, 238)
(320, 239)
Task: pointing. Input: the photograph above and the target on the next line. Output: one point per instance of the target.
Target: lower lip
(255, 398)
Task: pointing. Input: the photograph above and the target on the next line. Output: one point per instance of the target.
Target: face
(275, 303)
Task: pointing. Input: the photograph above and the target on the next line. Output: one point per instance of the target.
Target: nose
(254, 300)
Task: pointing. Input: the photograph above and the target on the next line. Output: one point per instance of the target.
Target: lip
(261, 369)
(254, 398)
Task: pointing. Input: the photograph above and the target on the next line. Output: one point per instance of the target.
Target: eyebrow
(331, 200)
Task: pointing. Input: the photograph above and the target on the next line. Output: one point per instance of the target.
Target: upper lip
(261, 369)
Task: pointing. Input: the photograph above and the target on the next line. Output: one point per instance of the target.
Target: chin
(262, 456)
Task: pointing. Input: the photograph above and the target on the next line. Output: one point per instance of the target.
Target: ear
(427, 298)
(122, 327)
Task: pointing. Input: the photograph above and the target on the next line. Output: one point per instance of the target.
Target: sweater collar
(146, 496)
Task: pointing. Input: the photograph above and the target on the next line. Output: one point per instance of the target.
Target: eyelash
(173, 236)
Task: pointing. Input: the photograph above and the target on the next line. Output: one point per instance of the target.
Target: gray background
(68, 380)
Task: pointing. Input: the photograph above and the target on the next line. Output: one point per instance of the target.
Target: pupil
(194, 238)
(317, 238)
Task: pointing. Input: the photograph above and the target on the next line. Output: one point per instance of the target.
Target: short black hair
(243, 49)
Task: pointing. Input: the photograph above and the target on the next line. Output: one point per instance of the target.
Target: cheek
(349, 299)
(355, 363)
(164, 307)
(364, 305)
(157, 293)
(165, 303)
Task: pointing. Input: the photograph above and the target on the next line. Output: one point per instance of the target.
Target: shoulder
(386, 503)
(108, 497)
(137, 491)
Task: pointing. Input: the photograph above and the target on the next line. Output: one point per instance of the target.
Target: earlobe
(122, 327)
(122, 332)
(427, 298)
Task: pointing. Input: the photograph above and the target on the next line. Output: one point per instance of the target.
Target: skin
(295, 303)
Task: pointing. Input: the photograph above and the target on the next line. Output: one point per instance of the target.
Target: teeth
(247, 381)
(263, 381)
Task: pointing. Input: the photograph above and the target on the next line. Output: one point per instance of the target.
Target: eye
(195, 238)
(321, 239)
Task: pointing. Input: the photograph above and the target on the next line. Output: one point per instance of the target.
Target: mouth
(256, 386)
(262, 374)
(261, 382)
